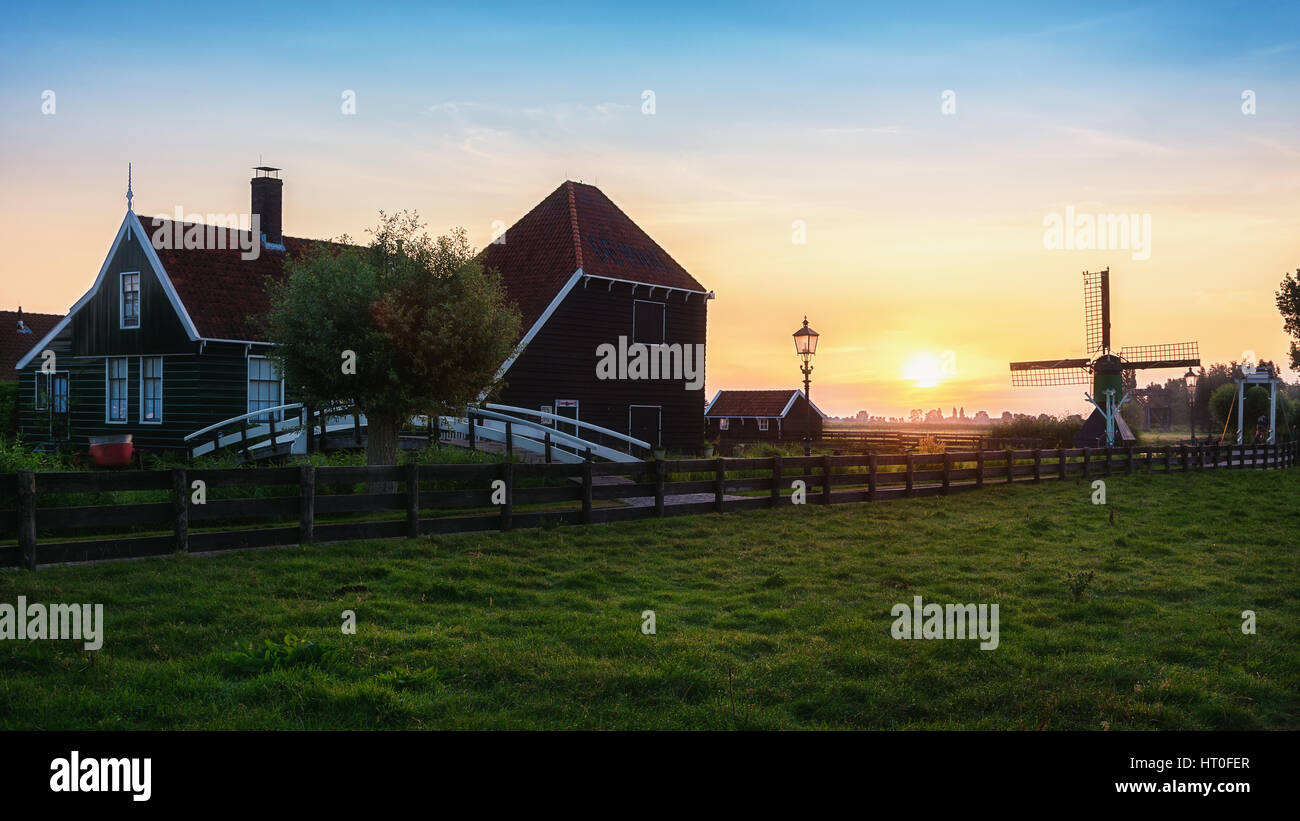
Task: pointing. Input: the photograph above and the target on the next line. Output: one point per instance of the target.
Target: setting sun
(923, 370)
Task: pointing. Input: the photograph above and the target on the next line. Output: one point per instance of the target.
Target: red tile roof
(220, 290)
(750, 403)
(13, 345)
(577, 226)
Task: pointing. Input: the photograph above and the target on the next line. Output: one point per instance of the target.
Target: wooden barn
(166, 341)
(762, 416)
(585, 276)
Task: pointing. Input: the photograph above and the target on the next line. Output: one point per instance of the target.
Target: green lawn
(770, 619)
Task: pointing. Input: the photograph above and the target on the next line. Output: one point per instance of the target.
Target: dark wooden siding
(95, 327)
(560, 362)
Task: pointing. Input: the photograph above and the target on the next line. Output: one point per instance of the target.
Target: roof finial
(129, 193)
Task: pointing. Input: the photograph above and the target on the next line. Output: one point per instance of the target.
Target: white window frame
(108, 390)
(159, 420)
(248, 386)
(724, 423)
(67, 399)
(764, 424)
(37, 404)
(663, 330)
(121, 301)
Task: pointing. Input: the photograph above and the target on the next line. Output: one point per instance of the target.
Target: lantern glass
(805, 340)
(1190, 379)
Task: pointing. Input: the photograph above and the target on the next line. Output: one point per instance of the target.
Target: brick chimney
(268, 199)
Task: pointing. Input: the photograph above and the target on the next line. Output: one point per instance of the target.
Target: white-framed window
(116, 394)
(763, 424)
(265, 387)
(59, 392)
(151, 390)
(42, 397)
(724, 423)
(130, 299)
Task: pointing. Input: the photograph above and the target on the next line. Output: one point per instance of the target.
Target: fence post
(306, 504)
(872, 466)
(776, 481)
(309, 420)
(272, 440)
(1060, 463)
(826, 479)
(1129, 469)
(473, 435)
(412, 500)
(1109, 455)
(1169, 459)
(910, 464)
(510, 444)
(508, 507)
(548, 447)
(1038, 464)
(243, 440)
(947, 471)
(356, 428)
(180, 511)
(719, 478)
(1183, 458)
(1011, 466)
(979, 469)
(661, 469)
(586, 492)
(1087, 462)
(27, 518)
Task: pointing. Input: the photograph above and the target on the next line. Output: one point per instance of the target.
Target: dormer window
(130, 300)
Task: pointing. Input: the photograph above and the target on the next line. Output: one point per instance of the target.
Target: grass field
(769, 619)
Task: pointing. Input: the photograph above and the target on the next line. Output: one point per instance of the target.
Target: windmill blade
(1096, 311)
(1169, 355)
(1051, 372)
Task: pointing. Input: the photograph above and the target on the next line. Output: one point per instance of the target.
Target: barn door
(644, 422)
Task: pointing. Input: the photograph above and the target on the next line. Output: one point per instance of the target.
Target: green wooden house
(165, 341)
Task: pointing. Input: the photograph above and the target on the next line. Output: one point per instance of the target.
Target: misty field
(766, 619)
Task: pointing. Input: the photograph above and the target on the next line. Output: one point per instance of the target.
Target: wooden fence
(900, 441)
(302, 505)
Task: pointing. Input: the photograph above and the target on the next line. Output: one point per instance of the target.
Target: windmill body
(1102, 368)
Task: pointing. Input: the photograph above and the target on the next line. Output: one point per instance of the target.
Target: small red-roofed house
(762, 416)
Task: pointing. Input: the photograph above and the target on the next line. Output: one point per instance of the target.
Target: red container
(111, 451)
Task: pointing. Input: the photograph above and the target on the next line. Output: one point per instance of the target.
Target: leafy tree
(425, 324)
(1288, 303)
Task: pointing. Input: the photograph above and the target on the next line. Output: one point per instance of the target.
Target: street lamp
(805, 344)
(1190, 379)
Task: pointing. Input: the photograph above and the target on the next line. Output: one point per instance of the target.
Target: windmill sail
(1096, 311)
(1051, 372)
(1169, 355)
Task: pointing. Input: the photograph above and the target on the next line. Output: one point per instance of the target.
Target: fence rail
(306, 504)
(901, 441)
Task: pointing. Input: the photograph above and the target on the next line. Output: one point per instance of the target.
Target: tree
(403, 326)
(1288, 303)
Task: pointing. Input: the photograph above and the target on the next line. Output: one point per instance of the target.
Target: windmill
(1106, 370)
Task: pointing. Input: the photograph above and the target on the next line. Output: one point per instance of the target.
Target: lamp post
(805, 344)
(1190, 379)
